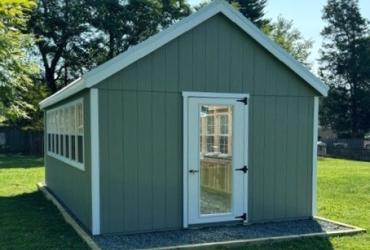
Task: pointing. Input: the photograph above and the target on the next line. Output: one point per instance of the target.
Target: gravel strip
(214, 234)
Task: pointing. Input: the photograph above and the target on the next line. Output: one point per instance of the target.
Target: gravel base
(215, 234)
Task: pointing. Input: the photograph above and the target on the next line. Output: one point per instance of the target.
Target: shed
(205, 122)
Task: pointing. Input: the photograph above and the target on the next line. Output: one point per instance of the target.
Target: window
(210, 133)
(224, 133)
(65, 133)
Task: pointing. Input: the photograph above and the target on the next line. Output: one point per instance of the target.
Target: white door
(217, 156)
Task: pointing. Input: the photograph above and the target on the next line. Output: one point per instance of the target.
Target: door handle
(193, 171)
(244, 169)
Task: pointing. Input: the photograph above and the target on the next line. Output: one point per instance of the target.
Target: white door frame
(186, 95)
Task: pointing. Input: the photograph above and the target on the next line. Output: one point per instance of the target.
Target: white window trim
(186, 95)
(73, 163)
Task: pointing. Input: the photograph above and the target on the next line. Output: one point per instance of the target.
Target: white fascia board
(69, 90)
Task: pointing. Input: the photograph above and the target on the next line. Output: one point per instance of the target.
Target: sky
(306, 15)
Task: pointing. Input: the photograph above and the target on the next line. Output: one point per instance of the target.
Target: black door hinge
(244, 100)
(244, 169)
(243, 216)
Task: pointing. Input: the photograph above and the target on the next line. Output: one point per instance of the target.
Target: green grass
(343, 195)
(29, 221)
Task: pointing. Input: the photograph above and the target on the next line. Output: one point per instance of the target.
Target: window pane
(224, 124)
(57, 131)
(215, 167)
(79, 117)
(210, 124)
(49, 142)
(57, 144)
(73, 147)
(72, 117)
(210, 144)
(66, 137)
(52, 143)
(224, 144)
(80, 148)
(61, 145)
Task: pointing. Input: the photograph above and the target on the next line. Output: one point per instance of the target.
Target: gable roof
(144, 48)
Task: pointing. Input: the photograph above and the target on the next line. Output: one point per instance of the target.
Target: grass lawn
(343, 195)
(28, 221)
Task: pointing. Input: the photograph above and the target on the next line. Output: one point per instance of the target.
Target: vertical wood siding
(71, 185)
(141, 129)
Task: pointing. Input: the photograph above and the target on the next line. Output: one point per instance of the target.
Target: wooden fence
(216, 175)
(18, 141)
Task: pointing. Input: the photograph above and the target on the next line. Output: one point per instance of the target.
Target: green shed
(206, 122)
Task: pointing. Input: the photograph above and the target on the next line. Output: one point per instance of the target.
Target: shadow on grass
(20, 161)
(29, 221)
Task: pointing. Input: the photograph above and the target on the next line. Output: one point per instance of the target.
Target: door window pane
(215, 159)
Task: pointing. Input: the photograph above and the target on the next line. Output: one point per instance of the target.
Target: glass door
(216, 131)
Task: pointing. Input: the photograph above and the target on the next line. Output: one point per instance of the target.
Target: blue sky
(306, 16)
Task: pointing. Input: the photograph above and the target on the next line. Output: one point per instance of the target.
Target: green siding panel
(141, 129)
(71, 185)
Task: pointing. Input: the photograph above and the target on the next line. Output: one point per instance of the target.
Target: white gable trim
(137, 52)
(69, 90)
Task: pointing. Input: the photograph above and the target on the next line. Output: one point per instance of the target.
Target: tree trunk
(50, 80)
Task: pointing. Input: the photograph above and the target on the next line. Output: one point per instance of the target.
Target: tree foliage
(345, 66)
(75, 35)
(62, 34)
(253, 10)
(17, 104)
(282, 31)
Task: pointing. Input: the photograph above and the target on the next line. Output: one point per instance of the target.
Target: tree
(123, 24)
(75, 35)
(172, 11)
(16, 69)
(345, 67)
(289, 38)
(253, 10)
(63, 33)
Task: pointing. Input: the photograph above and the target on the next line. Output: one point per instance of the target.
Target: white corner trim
(144, 48)
(95, 162)
(314, 154)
